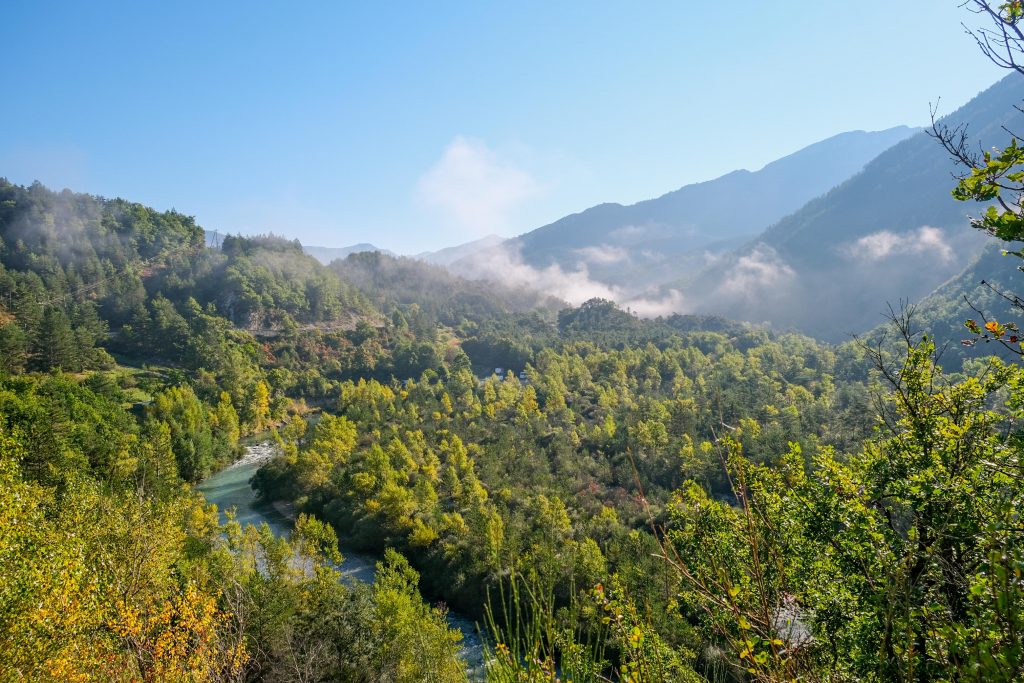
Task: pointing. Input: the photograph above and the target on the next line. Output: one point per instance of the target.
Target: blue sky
(420, 125)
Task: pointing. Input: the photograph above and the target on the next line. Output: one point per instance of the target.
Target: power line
(87, 288)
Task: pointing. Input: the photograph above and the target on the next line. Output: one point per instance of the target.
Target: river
(230, 488)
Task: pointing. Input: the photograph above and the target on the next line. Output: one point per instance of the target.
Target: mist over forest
(762, 427)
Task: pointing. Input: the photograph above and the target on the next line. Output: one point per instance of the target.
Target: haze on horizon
(416, 129)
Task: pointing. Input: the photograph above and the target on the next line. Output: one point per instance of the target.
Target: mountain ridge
(891, 232)
(617, 243)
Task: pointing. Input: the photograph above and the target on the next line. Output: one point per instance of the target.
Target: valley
(431, 380)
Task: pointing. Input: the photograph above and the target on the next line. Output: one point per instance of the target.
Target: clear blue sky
(419, 125)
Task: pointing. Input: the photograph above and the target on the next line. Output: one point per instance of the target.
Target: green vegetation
(613, 499)
(399, 283)
(114, 570)
(550, 478)
(631, 499)
(477, 478)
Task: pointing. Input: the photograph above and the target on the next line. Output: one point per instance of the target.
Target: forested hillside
(616, 466)
(114, 569)
(765, 428)
(447, 299)
(548, 492)
(72, 267)
(180, 351)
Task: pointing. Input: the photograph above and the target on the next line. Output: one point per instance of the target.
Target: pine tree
(13, 348)
(55, 344)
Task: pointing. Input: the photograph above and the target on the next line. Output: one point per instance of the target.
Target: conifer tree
(55, 345)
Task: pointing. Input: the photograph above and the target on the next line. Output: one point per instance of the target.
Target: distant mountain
(655, 240)
(890, 233)
(326, 255)
(449, 255)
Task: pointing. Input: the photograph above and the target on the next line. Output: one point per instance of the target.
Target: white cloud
(505, 264)
(638, 234)
(712, 257)
(761, 269)
(603, 254)
(629, 233)
(474, 188)
(672, 302)
(885, 243)
(653, 255)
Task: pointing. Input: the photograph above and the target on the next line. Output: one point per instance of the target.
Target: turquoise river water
(230, 488)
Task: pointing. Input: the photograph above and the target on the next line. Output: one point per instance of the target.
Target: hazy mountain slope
(642, 243)
(449, 255)
(389, 281)
(891, 232)
(74, 266)
(261, 283)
